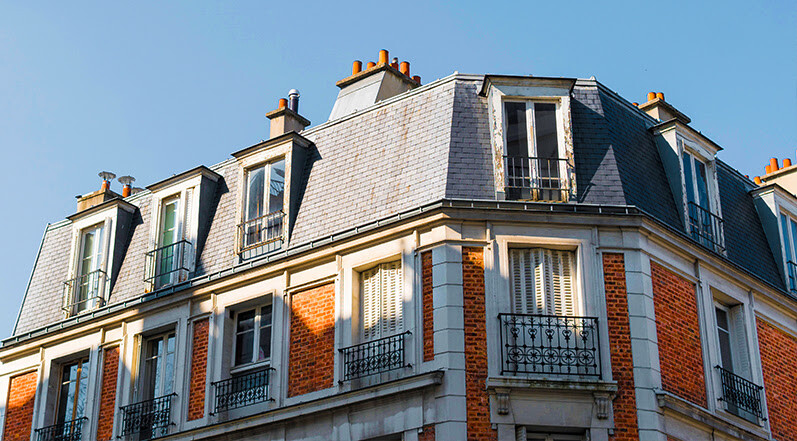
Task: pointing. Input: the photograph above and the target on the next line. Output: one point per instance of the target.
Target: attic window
(705, 224)
(263, 214)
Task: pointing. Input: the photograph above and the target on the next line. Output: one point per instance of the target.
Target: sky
(151, 89)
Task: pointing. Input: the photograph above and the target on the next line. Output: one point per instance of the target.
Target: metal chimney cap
(126, 180)
(293, 92)
(106, 175)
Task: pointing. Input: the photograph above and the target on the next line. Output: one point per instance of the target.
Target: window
(72, 393)
(253, 336)
(788, 230)
(382, 301)
(534, 164)
(167, 255)
(263, 207)
(704, 225)
(86, 290)
(157, 378)
(542, 281)
(740, 396)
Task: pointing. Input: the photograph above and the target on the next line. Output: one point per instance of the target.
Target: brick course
(427, 434)
(199, 368)
(19, 410)
(478, 401)
(625, 414)
(779, 364)
(428, 306)
(110, 372)
(678, 331)
(312, 341)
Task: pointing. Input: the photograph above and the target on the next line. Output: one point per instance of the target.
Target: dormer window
(705, 225)
(170, 258)
(788, 231)
(262, 227)
(86, 290)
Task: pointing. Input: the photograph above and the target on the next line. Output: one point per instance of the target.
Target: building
(482, 257)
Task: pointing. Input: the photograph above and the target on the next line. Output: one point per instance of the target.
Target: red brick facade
(678, 331)
(427, 434)
(625, 414)
(199, 369)
(110, 372)
(428, 306)
(478, 401)
(779, 363)
(19, 410)
(312, 341)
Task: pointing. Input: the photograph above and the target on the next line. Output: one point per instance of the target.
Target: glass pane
(724, 339)
(793, 236)
(516, 129)
(246, 321)
(545, 130)
(702, 186)
(265, 316)
(277, 187)
(244, 343)
(254, 202)
(264, 351)
(82, 389)
(168, 367)
(688, 179)
(784, 225)
(169, 227)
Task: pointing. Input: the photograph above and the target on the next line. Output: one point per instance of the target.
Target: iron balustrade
(706, 227)
(84, 292)
(548, 344)
(264, 232)
(540, 179)
(167, 265)
(374, 357)
(67, 431)
(740, 393)
(242, 390)
(791, 268)
(148, 419)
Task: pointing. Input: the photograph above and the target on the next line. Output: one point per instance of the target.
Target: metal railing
(264, 233)
(791, 270)
(148, 419)
(67, 431)
(706, 228)
(84, 292)
(740, 394)
(374, 357)
(242, 390)
(548, 344)
(167, 265)
(539, 179)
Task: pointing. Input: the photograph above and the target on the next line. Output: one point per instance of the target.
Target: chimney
(379, 81)
(286, 118)
(126, 182)
(662, 110)
(96, 198)
(785, 176)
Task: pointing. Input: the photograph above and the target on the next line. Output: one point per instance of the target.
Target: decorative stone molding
(502, 400)
(602, 404)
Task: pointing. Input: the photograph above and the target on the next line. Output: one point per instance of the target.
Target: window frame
(399, 295)
(236, 368)
(531, 123)
(267, 167)
(80, 361)
(142, 384)
(577, 299)
(173, 274)
(788, 237)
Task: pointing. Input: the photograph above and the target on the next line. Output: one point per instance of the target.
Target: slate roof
(411, 150)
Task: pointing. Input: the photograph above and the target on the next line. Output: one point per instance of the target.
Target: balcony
(84, 292)
(147, 419)
(261, 235)
(706, 228)
(66, 431)
(538, 179)
(791, 272)
(168, 265)
(548, 345)
(742, 397)
(242, 390)
(374, 357)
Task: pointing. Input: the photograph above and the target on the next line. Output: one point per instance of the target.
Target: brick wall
(19, 409)
(199, 369)
(312, 340)
(428, 306)
(478, 401)
(678, 332)
(427, 434)
(779, 364)
(110, 372)
(625, 414)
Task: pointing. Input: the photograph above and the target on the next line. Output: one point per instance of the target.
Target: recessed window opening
(263, 208)
(253, 336)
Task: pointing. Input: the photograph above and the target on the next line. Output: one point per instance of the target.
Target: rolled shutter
(370, 303)
(392, 301)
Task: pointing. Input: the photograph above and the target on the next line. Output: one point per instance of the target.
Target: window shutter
(562, 283)
(188, 251)
(741, 358)
(520, 433)
(542, 281)
(370, 302)
(539, 281)
(523, 285)
(392, 301)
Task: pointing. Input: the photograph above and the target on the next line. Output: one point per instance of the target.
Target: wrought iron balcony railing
(260, 235)
(549, 345)
(67, 431)
(791, 270)
(168, 264)
(242, 390)
(84, 292)
(147, 419)
(740, 394)
(706, 227)
(539, 179)
(374, 357)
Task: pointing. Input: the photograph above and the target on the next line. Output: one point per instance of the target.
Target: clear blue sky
(155, 88)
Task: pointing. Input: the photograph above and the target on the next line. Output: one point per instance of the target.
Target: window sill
(249, 367)
(720, 420)
(543, 383)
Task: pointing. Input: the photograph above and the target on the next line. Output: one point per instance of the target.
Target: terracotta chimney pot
(651, 96)
(404, 68)
(635, 104)
(370, 65)
(417, 79)
(773, 164)
(283, 102)
(356, 67)
(767, 170)
(757, 180)
(660, 96)
(383, 54)
(786, 162)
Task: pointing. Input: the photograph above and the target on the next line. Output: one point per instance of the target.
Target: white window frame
(142, 367)
(107, 220)
(531, 122)
(254, 363)
(701, 154)
(188, 194)
(576, 303)
(788, 237)
(398, 296)
(266, 166)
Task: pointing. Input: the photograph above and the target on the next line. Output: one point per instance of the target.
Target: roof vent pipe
(293, 100)
(126, 181)
(106, 179)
